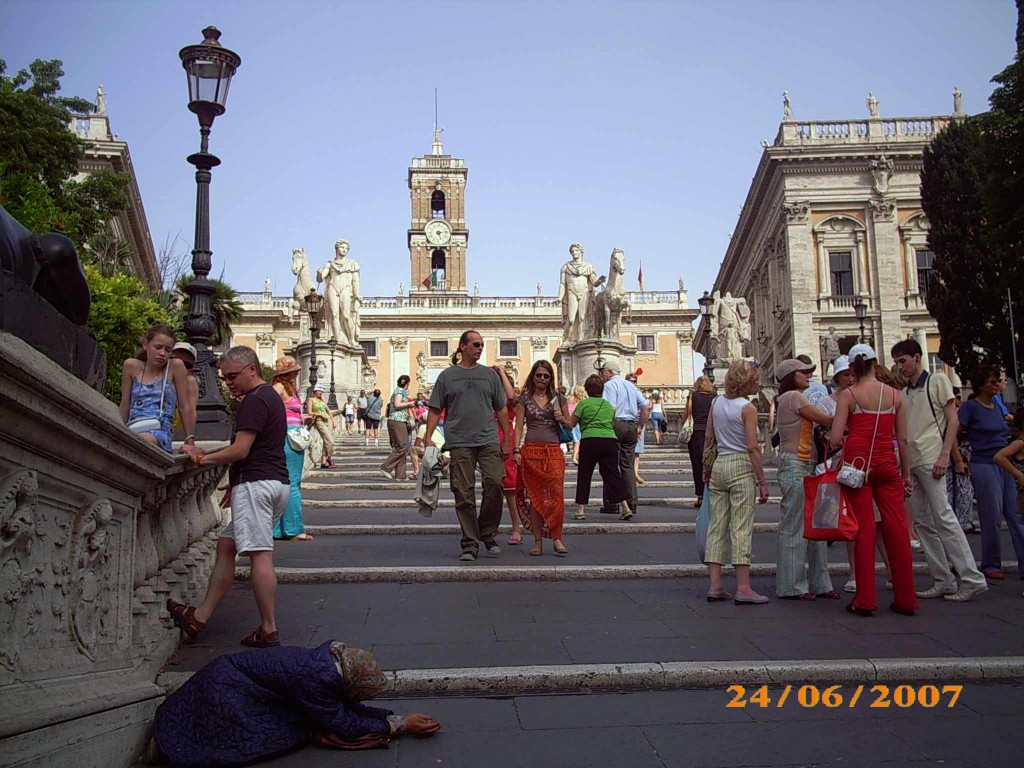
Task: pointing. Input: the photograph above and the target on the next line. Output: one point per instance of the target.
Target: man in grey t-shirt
(471, 395)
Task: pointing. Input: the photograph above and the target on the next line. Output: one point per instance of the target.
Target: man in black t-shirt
(257, 493)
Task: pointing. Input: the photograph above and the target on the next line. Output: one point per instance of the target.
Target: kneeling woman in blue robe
(252, 706)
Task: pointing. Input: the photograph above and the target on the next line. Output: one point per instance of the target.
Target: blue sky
(616, 124)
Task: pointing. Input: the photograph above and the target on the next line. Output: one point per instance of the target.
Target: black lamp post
(599, 362)
(209, 68)
(861, 309)
(705, 303)
(332, 401)
(314, 306)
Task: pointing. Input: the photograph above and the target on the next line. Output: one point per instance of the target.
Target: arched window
(437, 262)
(437, 205)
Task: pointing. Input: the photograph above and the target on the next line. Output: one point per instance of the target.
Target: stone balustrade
(871, 131)
(97, 530)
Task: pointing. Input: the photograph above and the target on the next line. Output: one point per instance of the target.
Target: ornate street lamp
(599, 362)
(705, 303)
(332, 401)
(314, 306)
(209, 68)
(861, 310)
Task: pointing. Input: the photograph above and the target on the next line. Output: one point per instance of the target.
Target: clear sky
(616, 124)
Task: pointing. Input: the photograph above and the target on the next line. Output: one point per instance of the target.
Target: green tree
(123, 310)
(224, 306)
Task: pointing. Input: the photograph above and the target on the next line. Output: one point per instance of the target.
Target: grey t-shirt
(469, 397)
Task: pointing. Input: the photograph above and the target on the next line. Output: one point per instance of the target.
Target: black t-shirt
(261, 412)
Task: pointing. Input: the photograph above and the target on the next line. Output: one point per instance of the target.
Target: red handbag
(827, 512)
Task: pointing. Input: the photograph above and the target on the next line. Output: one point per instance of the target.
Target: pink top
(293, 412)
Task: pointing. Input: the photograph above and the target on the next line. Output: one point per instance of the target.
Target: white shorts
(256, 507)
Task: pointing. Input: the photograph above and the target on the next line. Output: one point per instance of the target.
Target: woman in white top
(658, 419)
(733, 422)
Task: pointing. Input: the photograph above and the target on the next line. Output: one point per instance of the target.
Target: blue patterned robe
(251, 706)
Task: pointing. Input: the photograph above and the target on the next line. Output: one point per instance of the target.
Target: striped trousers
(733, 494)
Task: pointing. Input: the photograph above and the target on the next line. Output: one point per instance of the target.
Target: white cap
(318, 388)
(841, 364)
(862, 350)
(185, 346)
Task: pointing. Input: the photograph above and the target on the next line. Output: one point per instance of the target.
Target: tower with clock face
(438, 236)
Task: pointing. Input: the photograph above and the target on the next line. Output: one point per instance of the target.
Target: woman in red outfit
(874, 413)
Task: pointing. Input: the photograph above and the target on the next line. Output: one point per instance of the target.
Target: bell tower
(438, 237)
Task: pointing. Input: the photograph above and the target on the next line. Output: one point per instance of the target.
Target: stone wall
(97, 530)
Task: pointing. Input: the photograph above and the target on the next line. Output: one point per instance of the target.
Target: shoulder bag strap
(931, 406)
(878, 416)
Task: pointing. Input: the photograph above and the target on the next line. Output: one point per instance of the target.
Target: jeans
(997, 499)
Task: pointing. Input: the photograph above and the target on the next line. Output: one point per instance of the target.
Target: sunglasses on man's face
(476, 343)
(229, 377)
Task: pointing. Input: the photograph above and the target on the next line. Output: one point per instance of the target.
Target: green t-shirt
(596, 415)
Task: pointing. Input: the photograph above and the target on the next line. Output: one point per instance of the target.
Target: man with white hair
(631, 413)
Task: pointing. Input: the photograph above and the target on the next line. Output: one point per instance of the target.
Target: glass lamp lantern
(209, 68)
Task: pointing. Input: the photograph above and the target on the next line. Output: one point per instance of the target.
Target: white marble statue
(829, 351)
(303, 281)
(872, 103)
(730, 325)
(787, 110)
(340, 276)
(401, 288)
(608, 305)
(101, 101)
(958, 101)
(576, 283)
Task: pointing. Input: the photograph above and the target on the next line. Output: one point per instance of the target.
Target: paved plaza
(611, 656)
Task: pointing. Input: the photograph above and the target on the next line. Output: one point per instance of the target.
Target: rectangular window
(369, 346)
(925, 270)
(645, 343)
(841, 267)
(508, 348)
(439, 348)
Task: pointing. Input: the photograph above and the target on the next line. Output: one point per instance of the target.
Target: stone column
(910, 259)
(860, 270)
(684, 339)
(800, 256)
(888, 257)
(399, 362)
(825, 283)
(921, 337)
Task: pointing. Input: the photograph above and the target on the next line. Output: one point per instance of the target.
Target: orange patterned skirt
(541, 484)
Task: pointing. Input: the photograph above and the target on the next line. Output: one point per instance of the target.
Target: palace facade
(416, 332)
(833, 219)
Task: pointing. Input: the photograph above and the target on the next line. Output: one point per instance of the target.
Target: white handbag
(299, 439)
(850, 474)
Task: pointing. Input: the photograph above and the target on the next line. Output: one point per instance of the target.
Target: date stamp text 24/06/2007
(839, 696)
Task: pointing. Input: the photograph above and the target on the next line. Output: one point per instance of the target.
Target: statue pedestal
(348, 368)
(578, 360)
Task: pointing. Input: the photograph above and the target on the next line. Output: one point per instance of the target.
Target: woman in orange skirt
(540, 486)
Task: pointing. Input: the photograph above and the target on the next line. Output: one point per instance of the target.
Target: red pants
(884, 486)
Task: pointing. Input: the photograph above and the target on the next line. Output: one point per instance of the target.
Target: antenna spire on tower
(438, 149)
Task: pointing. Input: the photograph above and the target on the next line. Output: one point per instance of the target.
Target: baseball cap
(862, 350)
(612, 365)
(184, 345)
(318, 388)
(841, 364)
(792, 365)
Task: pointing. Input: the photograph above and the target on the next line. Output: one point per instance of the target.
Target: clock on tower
(437, 236)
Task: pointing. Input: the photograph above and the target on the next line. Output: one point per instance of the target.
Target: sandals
(261, 639)
(560, 549)
(538, 550)
(184, 618)
(515, 539)
(830, 595)
(805, 596)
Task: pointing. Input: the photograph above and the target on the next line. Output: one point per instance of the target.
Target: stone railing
(255, 300)
(871, 130)
(438, 161)
(97, 530)
(656, 297)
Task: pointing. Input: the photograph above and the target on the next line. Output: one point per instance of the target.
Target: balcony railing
(438, 161)
(873, 130)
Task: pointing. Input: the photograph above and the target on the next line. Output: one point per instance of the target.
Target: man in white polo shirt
(931, 432)
(631, 413)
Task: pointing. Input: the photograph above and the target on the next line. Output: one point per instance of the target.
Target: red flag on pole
(640, 276)
(427, 282)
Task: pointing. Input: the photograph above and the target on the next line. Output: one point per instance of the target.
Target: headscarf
(364, 679)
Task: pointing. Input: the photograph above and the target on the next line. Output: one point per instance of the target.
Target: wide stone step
(573, 528)
(408, 503)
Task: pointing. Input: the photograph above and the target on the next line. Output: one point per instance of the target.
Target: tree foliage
(972, 190)
(123, 310)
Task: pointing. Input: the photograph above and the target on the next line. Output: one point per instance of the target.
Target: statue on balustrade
(609, 303)
(303, 280)
(576, 283)
(872, 103)
(829, 350)
(730, 325)
(340, 276)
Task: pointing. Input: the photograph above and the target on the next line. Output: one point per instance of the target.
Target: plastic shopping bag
(827, 513)
(703, 523)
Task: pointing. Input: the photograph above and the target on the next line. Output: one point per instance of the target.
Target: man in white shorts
(258, 494)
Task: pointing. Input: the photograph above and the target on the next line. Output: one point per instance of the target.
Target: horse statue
(608, 305)
(303, 283)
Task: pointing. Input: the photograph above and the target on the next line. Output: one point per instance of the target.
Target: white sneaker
(936, 591)
(965, 593)
(915, 544)
(850, 586)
